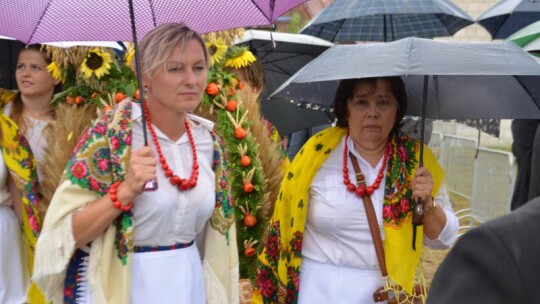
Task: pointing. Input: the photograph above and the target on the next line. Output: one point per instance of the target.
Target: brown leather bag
(381, 294)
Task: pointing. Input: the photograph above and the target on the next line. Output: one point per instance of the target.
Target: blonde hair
(158, 44)
(254, 75)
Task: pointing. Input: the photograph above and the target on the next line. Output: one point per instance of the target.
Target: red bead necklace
(181, 183)
(361, 191)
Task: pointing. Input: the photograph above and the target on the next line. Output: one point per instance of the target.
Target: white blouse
(337, 231)
(168, 215)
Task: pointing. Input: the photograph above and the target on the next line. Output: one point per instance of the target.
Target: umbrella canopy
(528, 37)
(466, 80)
(74, 20)
(10, 48)
(508, 16)
(68, 44)
(282, 55)
(387, 20)
(9, 51)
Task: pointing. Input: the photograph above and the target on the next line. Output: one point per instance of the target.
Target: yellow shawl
(22, 168)
(280, 260)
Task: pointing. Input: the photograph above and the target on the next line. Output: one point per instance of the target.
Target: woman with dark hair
(22, 122)
(319, 237)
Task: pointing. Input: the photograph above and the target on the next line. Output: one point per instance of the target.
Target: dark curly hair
(345, 91)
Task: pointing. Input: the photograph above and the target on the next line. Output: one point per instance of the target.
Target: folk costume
(319, 237)
(18, 160)
(163, 234)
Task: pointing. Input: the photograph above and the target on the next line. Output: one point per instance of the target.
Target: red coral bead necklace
(181, 183)
(360, 190)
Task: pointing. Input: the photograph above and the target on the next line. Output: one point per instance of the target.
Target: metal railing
(456, 156)
(484, 176)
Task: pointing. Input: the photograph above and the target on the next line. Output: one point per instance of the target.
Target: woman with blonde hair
(105, 240)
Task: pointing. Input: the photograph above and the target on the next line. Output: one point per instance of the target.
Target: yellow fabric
(401, 261)
(291, 210)
(22, 167)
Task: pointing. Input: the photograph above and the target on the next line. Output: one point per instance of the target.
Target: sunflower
(239, 57)
(55, 71)
(96, 62)
(217, 49)
(130, 53)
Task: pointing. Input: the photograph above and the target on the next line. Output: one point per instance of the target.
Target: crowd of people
(104, 239)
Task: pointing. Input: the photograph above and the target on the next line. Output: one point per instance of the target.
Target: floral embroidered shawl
(100, 159)
(281, 256)
(22, 168)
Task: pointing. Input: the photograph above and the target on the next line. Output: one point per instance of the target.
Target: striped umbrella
(528, 38)
(508, 16)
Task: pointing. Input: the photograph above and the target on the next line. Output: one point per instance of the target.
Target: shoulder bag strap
(372, 218)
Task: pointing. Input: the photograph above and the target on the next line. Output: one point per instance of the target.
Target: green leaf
(130, 90)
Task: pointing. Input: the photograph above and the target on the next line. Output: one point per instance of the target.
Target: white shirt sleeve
(448, 235)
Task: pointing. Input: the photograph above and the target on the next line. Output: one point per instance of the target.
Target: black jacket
(498, 262)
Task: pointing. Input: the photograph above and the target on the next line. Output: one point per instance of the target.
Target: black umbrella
(509, 16)
(456, 80)
(445, 80)
(282, 55)
(9, 50)
(387, 20)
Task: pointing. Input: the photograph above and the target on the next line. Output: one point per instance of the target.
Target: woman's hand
(142, 168)
(422, 185)
(98, 215)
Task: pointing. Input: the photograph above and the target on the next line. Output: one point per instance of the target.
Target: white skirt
(171, 276)
(324, 283)
(13, 271)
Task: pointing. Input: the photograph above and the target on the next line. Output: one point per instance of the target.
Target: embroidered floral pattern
(293, 285)
(74, 277)
(91, 166)
(266, 283)
(20, 162)
(162, 248)
(224, 198)
(296, 243)
(100, 158)
(398, 190)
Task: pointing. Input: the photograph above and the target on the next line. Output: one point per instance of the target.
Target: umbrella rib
(153, 12)
(39, 21)
(261, 11)
(499, 26)
(410, 55)
(526, 90)
(288, 57)
(336, 33)
(279, 69)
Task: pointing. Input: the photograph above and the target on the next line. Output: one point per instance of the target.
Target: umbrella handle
(150, 185)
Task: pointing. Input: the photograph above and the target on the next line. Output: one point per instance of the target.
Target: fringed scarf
(100, 159)
(22, 168)
(281, 257)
